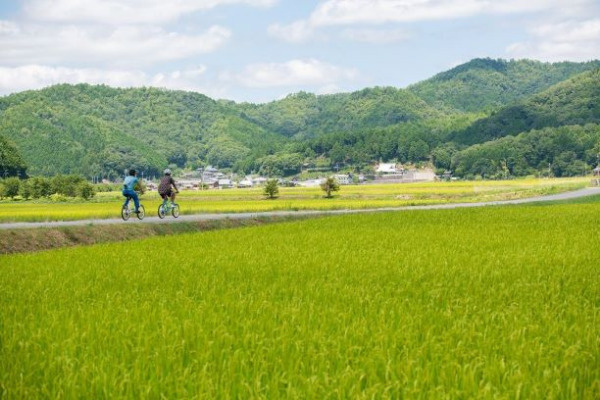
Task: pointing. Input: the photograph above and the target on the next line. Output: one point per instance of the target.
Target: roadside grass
(107, 205)
(489, 303)
(39, 239)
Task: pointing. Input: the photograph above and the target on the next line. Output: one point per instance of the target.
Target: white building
(225, 184)
(245, 183)
(386, 168)
(343, 179)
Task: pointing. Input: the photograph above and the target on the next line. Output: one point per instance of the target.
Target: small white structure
(245, 183)
(210, 174)
(386, 168)
(224, 184)
(424, 175)
(343, 179)
(260, 181)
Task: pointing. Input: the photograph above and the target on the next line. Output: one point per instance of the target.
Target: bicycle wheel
(161, 211)
(175, 211)
(125, 213)
(142, 212)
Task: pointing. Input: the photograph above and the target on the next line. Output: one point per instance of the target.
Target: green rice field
(488, 303)
(107, 205)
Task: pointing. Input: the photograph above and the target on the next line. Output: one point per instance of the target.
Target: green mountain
(486, 84)
(101, 131)
(305, 115)
(575, 101)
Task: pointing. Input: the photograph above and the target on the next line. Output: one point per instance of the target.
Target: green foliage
(11, 187)
(25, 190)
(271, 188)
(280, 164)
(38, 187)
(329, 185)
(66, 184)
(564, 151)
(85, 190)
(11, 163)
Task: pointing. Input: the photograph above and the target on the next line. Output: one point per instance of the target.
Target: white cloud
(291, 73)
(119, 12)
(128, 45)
(376, 36)
(299, 31)
(8, 28)
(570, 40)
(337, 12)
(37, 76)
(353, 12)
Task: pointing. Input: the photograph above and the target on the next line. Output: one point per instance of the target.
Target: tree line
(56, 188)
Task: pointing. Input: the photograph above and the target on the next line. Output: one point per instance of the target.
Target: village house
(343, 179)
(245, 183)
(223, 183)
(386, 168)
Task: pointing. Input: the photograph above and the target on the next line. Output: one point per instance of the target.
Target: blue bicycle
(167, 206)
(129, 208)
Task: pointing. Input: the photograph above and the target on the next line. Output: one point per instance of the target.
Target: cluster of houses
(211, 177)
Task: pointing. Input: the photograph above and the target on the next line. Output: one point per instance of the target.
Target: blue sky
(263, 50)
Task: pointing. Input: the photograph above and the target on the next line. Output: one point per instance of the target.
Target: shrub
(85, 190)
(39, 187)
(330, 185)
(271, 188)
(58, 197)
(11, 187)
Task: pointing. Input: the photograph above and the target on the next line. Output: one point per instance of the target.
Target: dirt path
(211, 217)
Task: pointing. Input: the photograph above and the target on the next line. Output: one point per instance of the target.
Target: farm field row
(499, 302)
(107, 205)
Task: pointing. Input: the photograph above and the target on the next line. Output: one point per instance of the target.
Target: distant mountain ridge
(100, 131)
(575, 101)
(485, 84)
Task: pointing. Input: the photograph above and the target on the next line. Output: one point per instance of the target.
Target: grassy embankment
(495, 302)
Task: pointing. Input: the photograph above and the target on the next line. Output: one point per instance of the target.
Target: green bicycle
(168, 206)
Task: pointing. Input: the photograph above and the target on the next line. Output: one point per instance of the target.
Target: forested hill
(98, 131)
(575, 101)
(305, 115)
(486, 84)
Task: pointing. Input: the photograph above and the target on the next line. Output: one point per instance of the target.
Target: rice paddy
(490, 303)
(107, 205)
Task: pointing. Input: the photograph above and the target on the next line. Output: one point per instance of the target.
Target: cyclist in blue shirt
(129, 185)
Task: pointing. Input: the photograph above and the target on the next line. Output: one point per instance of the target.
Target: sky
(263, 50)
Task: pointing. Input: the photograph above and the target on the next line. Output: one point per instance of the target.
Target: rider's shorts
(166, 194)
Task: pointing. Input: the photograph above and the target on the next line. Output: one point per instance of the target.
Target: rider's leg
(173, 197)
(127, 197)
(136, 201)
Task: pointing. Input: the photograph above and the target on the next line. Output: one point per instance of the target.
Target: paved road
(209, 217)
